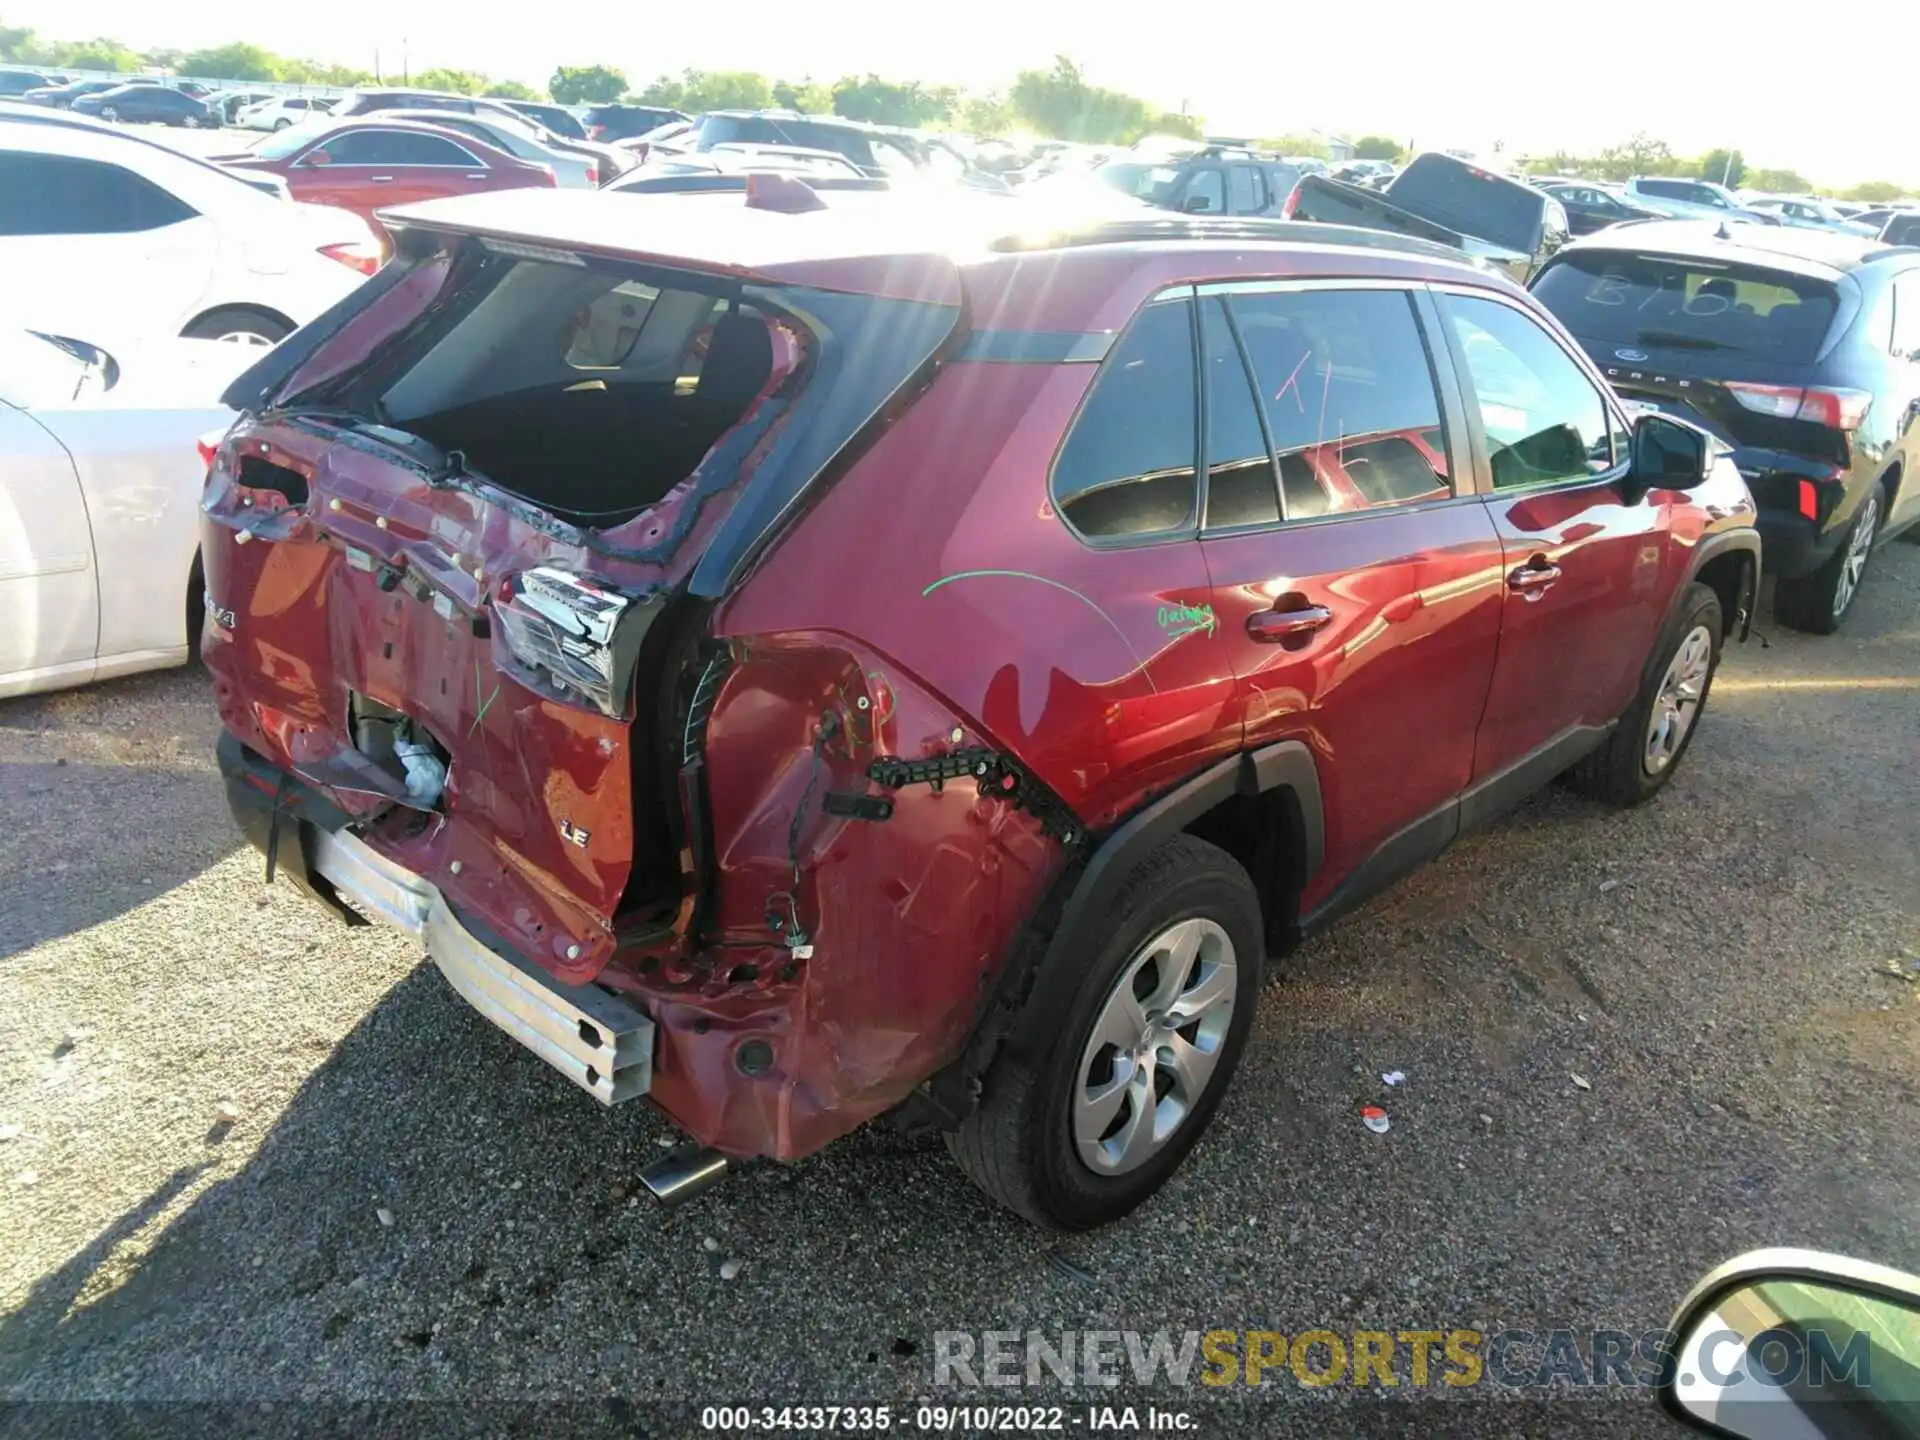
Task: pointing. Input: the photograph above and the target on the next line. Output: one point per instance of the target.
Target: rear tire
(1652, 737)
(1817, 603)
(239, 325)
(282, 124)
(1081, 1133)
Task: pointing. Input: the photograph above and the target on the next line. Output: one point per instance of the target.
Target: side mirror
(316, 157)
(1669, 454)
(1786, 1344)
(1198, 205)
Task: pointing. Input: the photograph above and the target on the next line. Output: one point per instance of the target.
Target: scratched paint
(1139, 663)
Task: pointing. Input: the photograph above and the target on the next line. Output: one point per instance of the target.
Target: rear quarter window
(1127, 468)
(1655, 301)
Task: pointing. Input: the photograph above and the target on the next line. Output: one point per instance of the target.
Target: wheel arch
(264, 312)
(1890, 481)
(1263, 807)
(196, 602)
(1728, 563)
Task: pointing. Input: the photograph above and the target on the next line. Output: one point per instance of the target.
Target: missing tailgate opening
(401, 746)
(590, 392)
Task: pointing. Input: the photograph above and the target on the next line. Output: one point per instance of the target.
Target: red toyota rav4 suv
(799, 662)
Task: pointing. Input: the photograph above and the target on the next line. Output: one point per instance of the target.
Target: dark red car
(368, 165)
(801, 663)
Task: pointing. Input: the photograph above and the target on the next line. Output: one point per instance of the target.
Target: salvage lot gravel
(259, 1157)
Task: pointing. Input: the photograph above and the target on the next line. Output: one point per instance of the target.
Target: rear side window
(1544, 420)
(1246, 190)
(63, 195)
(1240, 484)
(1127, 468)
(605, 331)
(1349, 398)
(1656, 301)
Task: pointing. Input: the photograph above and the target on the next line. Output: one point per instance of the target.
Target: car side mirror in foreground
(1669, 454)
(1797, 1345)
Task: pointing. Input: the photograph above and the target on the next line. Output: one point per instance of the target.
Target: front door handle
(1534, 576)
(1271, 626)
(379, 179)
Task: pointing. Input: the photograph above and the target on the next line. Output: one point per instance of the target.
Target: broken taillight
(575, 634)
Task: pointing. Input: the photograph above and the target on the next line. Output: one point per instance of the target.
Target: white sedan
(106, 233)
(280, 112)
(100, 482)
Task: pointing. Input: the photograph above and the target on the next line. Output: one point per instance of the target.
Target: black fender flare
(1721, 542)
(1040, 963)
(1093, 886)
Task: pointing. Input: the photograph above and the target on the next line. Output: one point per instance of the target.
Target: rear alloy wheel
(1818, 602)
(1649, 740)
(282, 124)
(239, 327)
(1131, 1047)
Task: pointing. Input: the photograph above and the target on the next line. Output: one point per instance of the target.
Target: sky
(1770, 80)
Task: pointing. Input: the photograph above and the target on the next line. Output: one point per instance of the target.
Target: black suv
(1219, 180)
(1798, 348)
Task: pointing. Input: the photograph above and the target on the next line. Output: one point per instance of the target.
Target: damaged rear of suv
(800, 664)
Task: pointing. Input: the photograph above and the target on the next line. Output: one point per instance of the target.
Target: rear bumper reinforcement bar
(596, 1039)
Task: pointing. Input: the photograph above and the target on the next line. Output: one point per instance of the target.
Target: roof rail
(1174, 227)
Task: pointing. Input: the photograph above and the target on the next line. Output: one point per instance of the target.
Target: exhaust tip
(679, 1177)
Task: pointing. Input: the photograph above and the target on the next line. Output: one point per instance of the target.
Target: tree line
(1059, 102)
(1644, 155)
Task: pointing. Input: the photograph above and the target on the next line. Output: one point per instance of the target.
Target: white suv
(106, 233)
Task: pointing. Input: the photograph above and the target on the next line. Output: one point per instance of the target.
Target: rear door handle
(379, 179)
(1533, 576)
(1276, 625)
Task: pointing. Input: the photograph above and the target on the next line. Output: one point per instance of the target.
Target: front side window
(1544, 420)
(1206, 193)
(1127, 468)
(1349, 398)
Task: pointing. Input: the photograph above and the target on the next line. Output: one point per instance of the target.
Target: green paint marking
(1179, 621)
(485, 705)
(1139, 664)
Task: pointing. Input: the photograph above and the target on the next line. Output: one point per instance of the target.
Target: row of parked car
(1178, 505)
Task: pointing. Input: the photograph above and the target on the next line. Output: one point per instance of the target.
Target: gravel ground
(250, 1157)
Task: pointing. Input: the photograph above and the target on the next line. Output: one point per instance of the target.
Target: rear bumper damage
(596, 1039)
